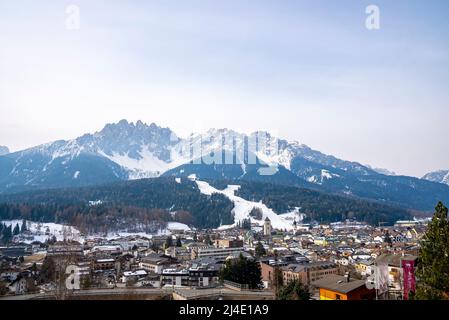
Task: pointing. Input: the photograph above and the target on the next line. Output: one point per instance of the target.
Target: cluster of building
(338, 261)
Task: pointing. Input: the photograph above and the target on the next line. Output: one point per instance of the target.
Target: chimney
(347, 276)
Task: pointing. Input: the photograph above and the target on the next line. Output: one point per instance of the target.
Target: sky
(308, 71)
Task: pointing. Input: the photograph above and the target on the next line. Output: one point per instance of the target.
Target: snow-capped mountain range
(134, 151)
(127, 151)
(441, 176)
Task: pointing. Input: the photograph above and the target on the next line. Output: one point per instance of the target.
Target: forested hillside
(162, 193)
(317, 205)
(165, 199)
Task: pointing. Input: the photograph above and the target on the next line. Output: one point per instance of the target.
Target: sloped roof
(339, 284)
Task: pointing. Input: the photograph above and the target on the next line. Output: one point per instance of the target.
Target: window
(337, 297)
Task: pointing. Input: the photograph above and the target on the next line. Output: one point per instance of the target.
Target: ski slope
(243, 207)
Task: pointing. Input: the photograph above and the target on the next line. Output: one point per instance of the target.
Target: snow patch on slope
(147, 166)
(325, 174)
(446, 178)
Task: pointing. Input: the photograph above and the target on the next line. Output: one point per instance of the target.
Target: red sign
(408, 267)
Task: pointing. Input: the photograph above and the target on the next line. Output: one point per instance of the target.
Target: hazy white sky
(304, 70)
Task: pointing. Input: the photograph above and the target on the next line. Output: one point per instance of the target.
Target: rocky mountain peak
(440, 176)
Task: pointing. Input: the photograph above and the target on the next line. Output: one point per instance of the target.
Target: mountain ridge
(130, 151)
(440, 176)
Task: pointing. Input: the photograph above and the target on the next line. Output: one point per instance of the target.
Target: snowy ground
(294, 215)
(42, 231)
(171, 228)
(243, 207)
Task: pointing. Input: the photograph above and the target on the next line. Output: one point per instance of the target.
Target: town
(337, 261)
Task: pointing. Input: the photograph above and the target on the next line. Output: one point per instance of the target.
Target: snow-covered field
(294, 215)
(171, 228)
(43, 231)
(243, 207)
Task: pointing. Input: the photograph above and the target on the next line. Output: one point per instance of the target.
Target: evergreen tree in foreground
(260, 250)
(6, 234)
(432, 270)
(243, 271)
(387, 239)
(24, 226)
(16, 230)
(294, 290)
(48, 270)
